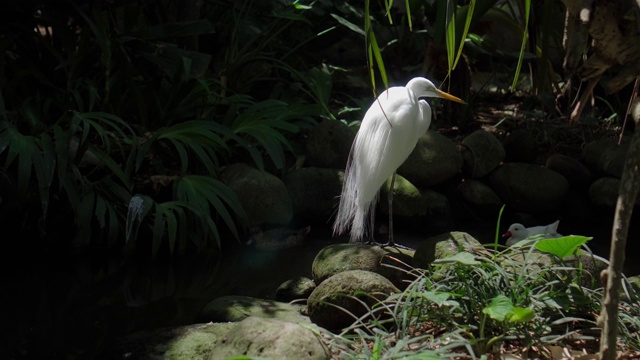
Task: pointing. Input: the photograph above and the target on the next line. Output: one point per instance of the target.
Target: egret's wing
(384, 141)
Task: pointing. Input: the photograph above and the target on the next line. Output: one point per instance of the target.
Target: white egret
(517, 232)
(388, 133)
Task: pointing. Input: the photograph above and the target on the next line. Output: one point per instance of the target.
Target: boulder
(329, 144)
(573, 170)
(604, 192)
(181, 343)
(263, 196)
(294, 289)
(605, 156)
(315, 193)
(410, 201)
(337, 258)
(270, 338)
(237, 308)
(434, 160)
(347, 290)
(479, 194)
(481, 153)
(442, 246)
(529, 188)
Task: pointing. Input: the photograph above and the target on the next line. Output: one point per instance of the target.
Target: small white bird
(517, 232)
(388, 133)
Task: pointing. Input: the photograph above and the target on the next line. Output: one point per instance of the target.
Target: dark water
(62, 306)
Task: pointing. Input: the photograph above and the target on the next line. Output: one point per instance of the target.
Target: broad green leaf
(563, 246)
(500, 308)
(521, 315)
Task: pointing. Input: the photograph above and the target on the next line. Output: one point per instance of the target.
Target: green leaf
(563, 246)
(348, 24)
(500, 308)
(525, 38)
(521, 315)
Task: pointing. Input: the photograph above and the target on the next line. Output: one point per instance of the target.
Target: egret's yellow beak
(446, 95)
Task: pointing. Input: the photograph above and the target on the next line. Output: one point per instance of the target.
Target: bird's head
(425, 88)
(514, 230)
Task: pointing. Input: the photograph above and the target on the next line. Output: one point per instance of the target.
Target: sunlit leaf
(562, 246)
(500, 307)
(521, 315)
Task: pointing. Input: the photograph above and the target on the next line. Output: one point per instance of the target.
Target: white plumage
(517, 232)
(388, 133)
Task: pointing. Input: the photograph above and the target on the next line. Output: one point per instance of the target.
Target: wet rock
(270, 338)
(529, 188)
(442, 246)
(434, 160)
(293, 289)
(520, 146)
(340, 291)
(329, 144)
(573, 170)
(337, 258)
(479, 194)
(605, 156)
(314, 193)
(263, 196)
(481, 153)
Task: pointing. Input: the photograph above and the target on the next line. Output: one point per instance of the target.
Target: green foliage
(471, 304)
(562, 246)
(129, 116)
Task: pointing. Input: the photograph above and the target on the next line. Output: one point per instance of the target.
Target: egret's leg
(390, 196)
(391, 242)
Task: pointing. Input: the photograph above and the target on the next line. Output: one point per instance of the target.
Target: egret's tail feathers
(351, 214)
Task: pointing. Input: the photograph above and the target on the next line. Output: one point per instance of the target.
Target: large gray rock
(343, 290)
(604, 192)
(573, 170)
(314, 193)
(337, 258)
(481, 153)
(442, 246)
(529, 188)
(329, 144)
(605, 156)
(264, 197)
(238, 308)
(434, 160)
(272, 339)
(294, 289)
(410, 201)
(479, 194)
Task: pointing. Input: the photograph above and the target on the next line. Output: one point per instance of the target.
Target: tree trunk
(612, 276)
